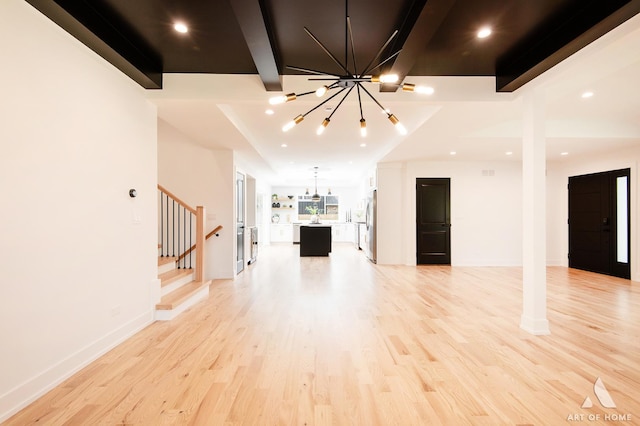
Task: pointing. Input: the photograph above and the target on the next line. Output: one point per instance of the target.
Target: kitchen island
(315, 240)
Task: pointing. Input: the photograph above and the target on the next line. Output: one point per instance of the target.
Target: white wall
(561, 171)
(78, 254)
(486, 211)
(202, 177)
(391, 242)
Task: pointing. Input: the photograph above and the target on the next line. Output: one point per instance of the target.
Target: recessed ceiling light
(284, 145)
(362, 145)
(484, 32)
(452, 153)
(509, 153)
(180, 27)
(564, 153)
(269, 112)
(586, 95)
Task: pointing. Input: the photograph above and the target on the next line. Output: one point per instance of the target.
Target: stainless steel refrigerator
(370, 221)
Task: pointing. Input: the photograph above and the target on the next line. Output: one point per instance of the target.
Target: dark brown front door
(433, 221)
(599, 223)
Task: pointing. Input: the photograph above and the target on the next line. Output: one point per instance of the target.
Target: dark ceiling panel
(372, 22)
(559, 37)
(414, 35)
(438, 36)
(214, 43)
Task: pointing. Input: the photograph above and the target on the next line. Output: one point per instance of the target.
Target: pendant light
(316, 197)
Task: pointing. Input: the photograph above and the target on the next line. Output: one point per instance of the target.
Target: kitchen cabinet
(281, 233)
(342, 232)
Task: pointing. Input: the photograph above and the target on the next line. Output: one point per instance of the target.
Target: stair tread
(173, 299)
(166, 259)
(168, 277)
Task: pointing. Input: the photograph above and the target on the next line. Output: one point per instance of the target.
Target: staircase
(180, 286)
(178, 289)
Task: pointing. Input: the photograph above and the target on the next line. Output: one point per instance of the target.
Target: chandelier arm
(324, 102)
(385, 61)
(310, 71)
(360, 101)
(353, 47)
(305, 93)
(384, 46)
(327, 51)
(341, 100)
(375, 100)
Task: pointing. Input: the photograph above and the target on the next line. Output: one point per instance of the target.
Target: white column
(534, 279)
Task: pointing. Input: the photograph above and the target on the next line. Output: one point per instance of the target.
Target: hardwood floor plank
(341, 341)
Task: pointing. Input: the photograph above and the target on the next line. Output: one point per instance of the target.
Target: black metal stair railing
(176, 229)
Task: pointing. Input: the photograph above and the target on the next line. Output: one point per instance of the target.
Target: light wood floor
(338, 340)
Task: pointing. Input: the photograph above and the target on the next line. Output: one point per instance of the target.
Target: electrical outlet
(115, 311)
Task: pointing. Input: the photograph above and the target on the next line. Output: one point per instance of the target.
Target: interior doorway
(240, 219)
(433, 221)
(599, 223)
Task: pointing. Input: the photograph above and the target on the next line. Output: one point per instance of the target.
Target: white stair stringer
(166, 264)
(178, 290)
(196, 296)
(180, 277)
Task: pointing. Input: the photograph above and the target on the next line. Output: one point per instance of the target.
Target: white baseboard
(535, 326)
(22, 395)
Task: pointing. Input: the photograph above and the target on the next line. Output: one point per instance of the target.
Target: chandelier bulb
(399, 127)
(292, 123)
(321, 91)
(424, 90)
(385, 78)
(282, 99)
(363, 127)
(322, 126)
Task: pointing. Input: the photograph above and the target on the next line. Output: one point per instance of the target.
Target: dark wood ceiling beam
(560, 40)
(115, 44)
(256, 28)
(415, 35)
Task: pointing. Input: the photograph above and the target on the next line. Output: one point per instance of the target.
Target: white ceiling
(464, 115)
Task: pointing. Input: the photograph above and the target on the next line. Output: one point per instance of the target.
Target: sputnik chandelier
(351, 79)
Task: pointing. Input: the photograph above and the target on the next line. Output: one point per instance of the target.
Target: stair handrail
(193, 247)
(176, 199)
(199, 213)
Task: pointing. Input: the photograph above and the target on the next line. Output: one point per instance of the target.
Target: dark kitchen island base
(315, 240)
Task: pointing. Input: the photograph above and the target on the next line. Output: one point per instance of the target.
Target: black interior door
(599, 225)
(433, 221)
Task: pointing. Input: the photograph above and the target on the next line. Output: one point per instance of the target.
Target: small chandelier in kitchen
(315, 197)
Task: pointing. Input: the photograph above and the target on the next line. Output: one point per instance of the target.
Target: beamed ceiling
(437, 37)
(212, 84)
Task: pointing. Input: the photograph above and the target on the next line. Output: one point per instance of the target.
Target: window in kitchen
(326, 208)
